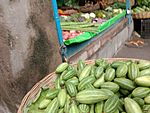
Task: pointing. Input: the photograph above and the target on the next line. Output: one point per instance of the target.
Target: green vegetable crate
(109, 85)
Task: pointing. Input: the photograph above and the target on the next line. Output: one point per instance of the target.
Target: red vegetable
(70, 34)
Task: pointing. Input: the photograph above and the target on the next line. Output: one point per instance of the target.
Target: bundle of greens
(140, 9)
(144, 3)
(80, 26)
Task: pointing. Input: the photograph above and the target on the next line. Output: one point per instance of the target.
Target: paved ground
(140, 53)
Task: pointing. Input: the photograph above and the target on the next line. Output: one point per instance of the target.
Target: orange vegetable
(60, 11)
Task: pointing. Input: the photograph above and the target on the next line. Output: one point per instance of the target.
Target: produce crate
(48, 81)
(145, 28)
(142, 15)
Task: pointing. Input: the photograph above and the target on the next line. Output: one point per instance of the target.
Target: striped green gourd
(74, 81)
(80, 66)
(61, 81)
(108, 92)
(145, 72)
(122, 70)
(140, 92)
(69, 74)
(125, 83)
(62, 67)
(99, 81)
(62, 96)
(44, 103)
(110, 74)
(146, 107)
(52, 93)
(143, 81)
(87, 80)
(71, 89)
(91, 96)
(74, 108)
(121, 105)
(140, 101)
(131, 106)
(99, 71)
(92, 108)
(61, 110)
(57, 83)
(89, 86)
(111, 86)
(133, 71)
(143, 64)
(99, 107)
(117, 111)
(84, 108)
(53, 106)
(124, 92)
(85, 72)
(71, 67)
(111, 104)
(128, 62)
(67, 104)
(102, 63)
(93, 69)
(116, 64)
(147, 99)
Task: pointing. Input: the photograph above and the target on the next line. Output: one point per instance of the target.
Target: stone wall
(29, 48)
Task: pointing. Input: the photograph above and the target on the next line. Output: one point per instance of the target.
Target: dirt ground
(139, 53)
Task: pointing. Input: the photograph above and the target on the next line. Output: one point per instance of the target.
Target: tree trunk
(29, 48)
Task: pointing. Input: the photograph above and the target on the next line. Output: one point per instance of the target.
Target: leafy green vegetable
(33, 108)
(144, 2)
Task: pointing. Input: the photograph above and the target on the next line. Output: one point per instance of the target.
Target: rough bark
(29, 48)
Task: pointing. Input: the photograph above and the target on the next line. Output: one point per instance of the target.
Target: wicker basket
(48, 81)
(142, 15)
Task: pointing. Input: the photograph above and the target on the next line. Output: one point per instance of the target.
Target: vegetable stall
(78, 23)
(142, 10)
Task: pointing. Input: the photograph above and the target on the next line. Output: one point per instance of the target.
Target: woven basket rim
(38, 85)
